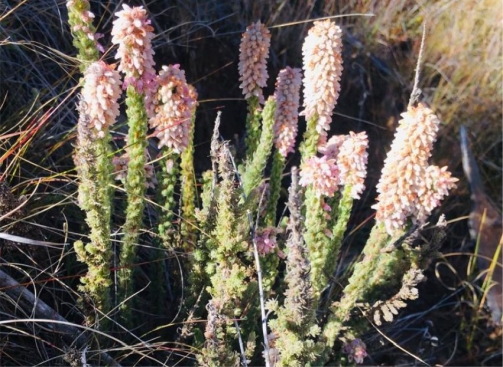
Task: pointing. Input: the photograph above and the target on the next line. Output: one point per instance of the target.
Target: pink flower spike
(133, 33)
(174, 105)
(352, 162)
(287, 110)
(100, 94)
(254, 52)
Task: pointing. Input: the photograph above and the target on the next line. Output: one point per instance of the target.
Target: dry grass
(461, 79)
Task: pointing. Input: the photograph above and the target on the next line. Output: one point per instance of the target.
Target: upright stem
(135, 191)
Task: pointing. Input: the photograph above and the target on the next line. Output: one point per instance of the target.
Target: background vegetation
(461, 81)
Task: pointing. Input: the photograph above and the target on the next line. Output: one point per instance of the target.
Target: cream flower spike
(352, 162)
(409, 187)
(287, 109)
(322, 73)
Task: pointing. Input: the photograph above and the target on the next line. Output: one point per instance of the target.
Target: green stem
(309, 145)
(252, 126)
(188, 194)
(255, 167)
(135, 190)
(168, 179)
(316, 239)
(94, 168)
(278, 165)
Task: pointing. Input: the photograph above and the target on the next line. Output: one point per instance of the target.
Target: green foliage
(188, 228)
(252, 126)
(94, 170)
(255, 166)
(278, 166)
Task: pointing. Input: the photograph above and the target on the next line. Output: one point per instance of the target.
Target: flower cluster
(356, 350)
(344, 162)
(100, 94)
(323, 68)
(409, 187)
(133, 33)
(174, 105)
(254, 51)
(322, 173)
(287, 107)
(352, 162)
(332, 146)
(265, 240)
(120, 165)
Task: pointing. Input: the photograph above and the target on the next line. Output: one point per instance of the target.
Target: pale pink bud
(266, 241)
(322, 73)
(254, 51)
(322, 173)
(287, 109)
(332, 146)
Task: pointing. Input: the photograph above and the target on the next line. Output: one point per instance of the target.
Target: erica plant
(262, 287)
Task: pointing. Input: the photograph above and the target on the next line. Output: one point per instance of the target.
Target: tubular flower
(352, 162)
(409, 187)
(322, 72)
(133, 33)
(254, 51)
(174, 106)
(356, 350)
(120, 165)
(100, 93)
(322, 173)
(332, 146)
(287, 107)
(438, 182)
(266, 241)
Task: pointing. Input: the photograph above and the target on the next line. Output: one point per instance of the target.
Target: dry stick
(262, 303)
(241, 346)
(259, 272)
(43, 311)
(416, 92)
